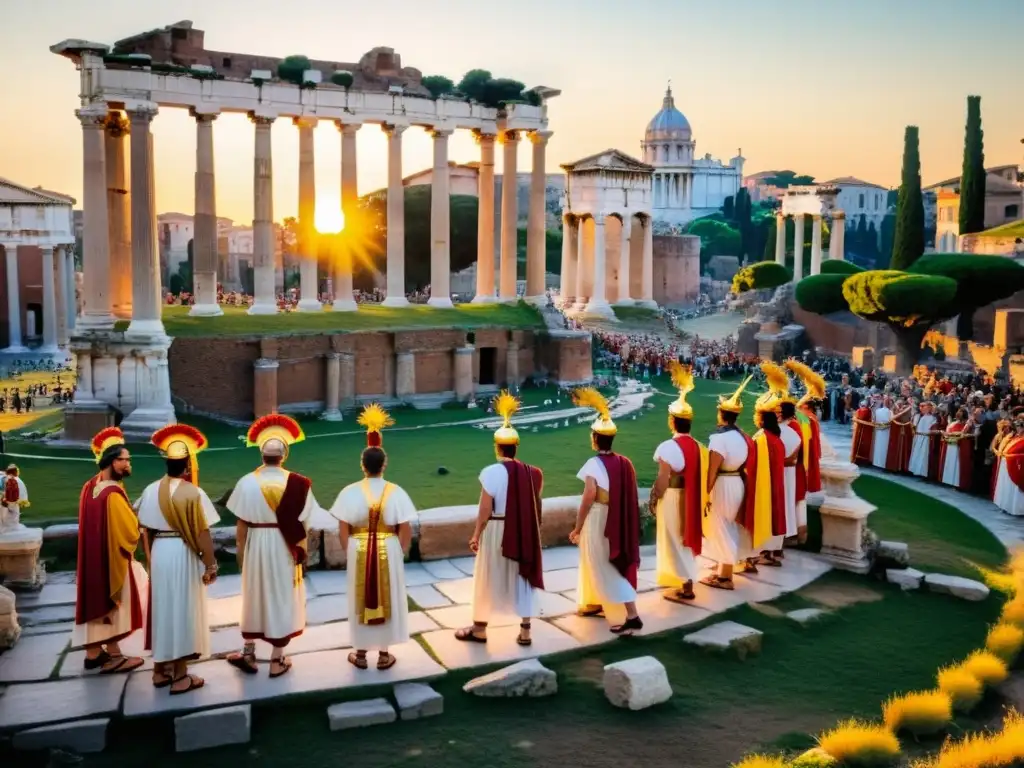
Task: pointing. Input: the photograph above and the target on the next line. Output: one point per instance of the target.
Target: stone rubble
(905, 578)
(82, 737)
(416, 700)
(726, 636)
(892, 554)
(357, 714)
(957, 586)
(10, 629)
(806, 615)
(527, 678)
(213, 728)
(637, 683)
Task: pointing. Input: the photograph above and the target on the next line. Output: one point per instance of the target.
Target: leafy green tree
(741, 213)
(786, 179)
(888, 233)
(292, 68)
(479, 85)
(727, 207)
(872, 243)
(972, 181)
(763, 274)
(438, 85)
(474, 84)
(716, 239)
(768, 253)
(908, 240)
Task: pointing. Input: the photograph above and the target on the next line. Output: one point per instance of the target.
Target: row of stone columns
(584, 281)
(673, 190)
(58, 270)
(836, 246)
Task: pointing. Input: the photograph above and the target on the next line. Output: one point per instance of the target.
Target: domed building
(685, 188)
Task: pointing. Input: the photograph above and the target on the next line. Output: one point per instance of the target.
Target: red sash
(814, 460)
(293, 501)
(863, 436)
(521, 539)
(901, 440)
(623, 526)
(801, 473)
(777, 465)
(690, 512)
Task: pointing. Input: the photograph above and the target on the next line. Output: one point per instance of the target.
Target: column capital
(838, 214)
(393, 131)
(348, 129)
(333, 355)
(93, 116)
(508, 137)
(116, 125)
(205, 115)
(440, 133)
(262, 119)
(142, 112)
(540, 137)
(482, 137)
(305, 121)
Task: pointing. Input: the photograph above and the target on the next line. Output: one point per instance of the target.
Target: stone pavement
(46, 683)
(1007, 528)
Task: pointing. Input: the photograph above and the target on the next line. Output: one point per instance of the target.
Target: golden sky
(820, 88)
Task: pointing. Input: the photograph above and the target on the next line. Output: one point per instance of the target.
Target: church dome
(669, 123)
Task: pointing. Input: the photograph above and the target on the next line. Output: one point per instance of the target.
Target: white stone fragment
(637, 683)
(527, 678)
(806, 615)
(966, 589)
(893, 552)
(356, 714)
(213, 728)
(416, 700)
(727, 635)
(82, 737)
(906, 578)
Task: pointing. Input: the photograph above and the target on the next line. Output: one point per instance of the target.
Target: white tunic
(676, 563)
(273, 592)
(351, 507)
(499, 592)
(921, 450)
(880, 452)
(11, 512)
(1008, 497)
(177, 606)
(950, 472)
(791, 442)
(727, 543)
(600, 582)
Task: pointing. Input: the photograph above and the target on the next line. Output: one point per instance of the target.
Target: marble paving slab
(549, 605)
(798, 570)
(559, 558)
(225, 611)
(32, 658)
(31, 704)
(50, 614)
(312, 672)
(49, 595)
(74, 666)
(561, 581)
(464, 564)
(323, 610)
(427, 596)
(225, 586)
(442, 569)
(501, 646)
(459, 591)
(416, 575)
(328, 582)
(48, 629)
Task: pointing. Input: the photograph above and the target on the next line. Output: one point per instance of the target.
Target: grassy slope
(721, 709)
(235, 321)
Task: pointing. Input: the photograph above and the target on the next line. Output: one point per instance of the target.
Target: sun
(329, 218)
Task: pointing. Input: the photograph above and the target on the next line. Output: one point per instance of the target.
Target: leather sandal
(99, 661)
(245, 661)
(469, 635)
(524, 641)
(358, 659)
(194, 684)
(121, 664)
(284, 663)
(385, 660)
(717, 582)
(627, 628)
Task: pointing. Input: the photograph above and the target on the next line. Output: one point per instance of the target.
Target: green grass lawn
(370, 317)
(805, 679)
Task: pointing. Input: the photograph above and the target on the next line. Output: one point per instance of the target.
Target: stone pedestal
(347, 383)
(405, 375)
(19, 559)
(843, 518)
(10, 630)
(265, 387)
(512, 364)
(333, 387)
(463, 370)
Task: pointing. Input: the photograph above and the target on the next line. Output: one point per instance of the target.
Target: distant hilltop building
(685, 188)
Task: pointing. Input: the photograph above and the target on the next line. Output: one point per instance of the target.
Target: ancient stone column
(204, 248)
(146, 304)
(96, 311)
(83, 379)
(265, 299)
(780, 239)
(798, 247)
(647, 272)
(63, 322)
(309, 300)
(343, 301)
(440, 224)
(567, 288)
(49, 302)
(598, 304)
(624, 298)
(837, 245)
(119, 215)
(405, 374)
(816, 245)
(71, 295)
(264, 398)
(15, 342)
(485, 221)
(512, 364)
(584, 278)
(396, 219)
(509, 215)
(536, 229)
(333, 387)
(463, 373)
(347, 379)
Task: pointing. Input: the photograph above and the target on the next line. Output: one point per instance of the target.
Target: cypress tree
(972, 180)
(769, 244)
(908, 240)
(727, 208)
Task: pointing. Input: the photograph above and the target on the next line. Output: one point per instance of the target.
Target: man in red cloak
(863, 435)
(110, 582)
(901, 439)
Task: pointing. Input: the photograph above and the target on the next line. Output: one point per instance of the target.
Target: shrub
(763, 274)
(837, 267)
(292, 68)
(886, 294)
(438, 85)
(922, 713)
(987, 667)
(1005, 641)
(1013, 612)
(963, 688)
(342, 78)
(857, 743)
(814, 758)
(821, 294)
(760, 761)
(983, 750)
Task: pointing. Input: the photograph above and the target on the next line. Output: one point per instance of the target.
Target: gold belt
(382, 530)
(602, 496)
(730, 472)
(677, 482)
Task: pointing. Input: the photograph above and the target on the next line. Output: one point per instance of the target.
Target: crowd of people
(960, 430)
(288, 300)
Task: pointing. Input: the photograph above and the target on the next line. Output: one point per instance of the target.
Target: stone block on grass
(358, 714)
(82, 737)
(806, 615)
(527, 678)
(892, 554)
(416, 700)
(727, 636)
(637, 683)
(966, 589)
(212, 728)
(905, 578)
